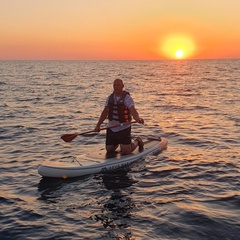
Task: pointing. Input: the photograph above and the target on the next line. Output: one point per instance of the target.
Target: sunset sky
(119, 29)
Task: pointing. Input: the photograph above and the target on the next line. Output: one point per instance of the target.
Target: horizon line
(187, 59)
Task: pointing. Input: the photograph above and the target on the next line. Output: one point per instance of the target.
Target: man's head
(118, 86)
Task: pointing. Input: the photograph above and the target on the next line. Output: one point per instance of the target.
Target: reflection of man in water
(118, 209)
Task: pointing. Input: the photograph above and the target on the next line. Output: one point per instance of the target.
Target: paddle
(70, 137)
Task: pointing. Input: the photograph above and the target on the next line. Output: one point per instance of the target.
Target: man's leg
(128, 148)
(111, 143)
(111, 148)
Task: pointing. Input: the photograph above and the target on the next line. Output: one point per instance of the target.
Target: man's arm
(101, 119)
(135, 115)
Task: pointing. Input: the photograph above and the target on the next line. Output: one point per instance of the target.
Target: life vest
(118, 111)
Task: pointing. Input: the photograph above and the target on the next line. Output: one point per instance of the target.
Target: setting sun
(180, 53)
(177, 47)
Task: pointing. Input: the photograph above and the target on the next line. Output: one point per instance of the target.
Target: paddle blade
(68, 137)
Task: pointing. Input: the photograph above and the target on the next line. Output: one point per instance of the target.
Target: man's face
(118, 86)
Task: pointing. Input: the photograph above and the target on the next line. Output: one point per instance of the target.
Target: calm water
(190, 191)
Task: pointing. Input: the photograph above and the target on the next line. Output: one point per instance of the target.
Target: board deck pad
(102, 156)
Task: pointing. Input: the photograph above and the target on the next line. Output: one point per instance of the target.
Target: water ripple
(189, 191)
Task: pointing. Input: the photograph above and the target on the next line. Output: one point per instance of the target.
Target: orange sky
(126, 29)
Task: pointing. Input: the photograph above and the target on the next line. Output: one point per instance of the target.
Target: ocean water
(189, 191)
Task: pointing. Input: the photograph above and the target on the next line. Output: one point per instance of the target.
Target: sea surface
(189, 191)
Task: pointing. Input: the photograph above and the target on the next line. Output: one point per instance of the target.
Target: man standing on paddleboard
(119, 109)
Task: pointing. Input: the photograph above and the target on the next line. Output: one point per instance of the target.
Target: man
(119, 108)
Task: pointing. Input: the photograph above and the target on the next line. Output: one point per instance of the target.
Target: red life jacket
(118, 111)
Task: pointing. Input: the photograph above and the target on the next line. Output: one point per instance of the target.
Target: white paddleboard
(99, 162)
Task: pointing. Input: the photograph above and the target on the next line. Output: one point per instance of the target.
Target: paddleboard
(100, 162)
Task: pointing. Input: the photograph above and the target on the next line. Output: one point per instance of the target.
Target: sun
(177, 46)
(179, 53)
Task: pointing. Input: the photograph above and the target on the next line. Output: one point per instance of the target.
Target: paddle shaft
(70, 137)
(114, 126)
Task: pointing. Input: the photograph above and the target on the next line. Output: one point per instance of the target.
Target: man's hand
(97, 129)
(140, 120)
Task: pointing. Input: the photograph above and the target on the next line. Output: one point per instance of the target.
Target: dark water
(189, 191)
